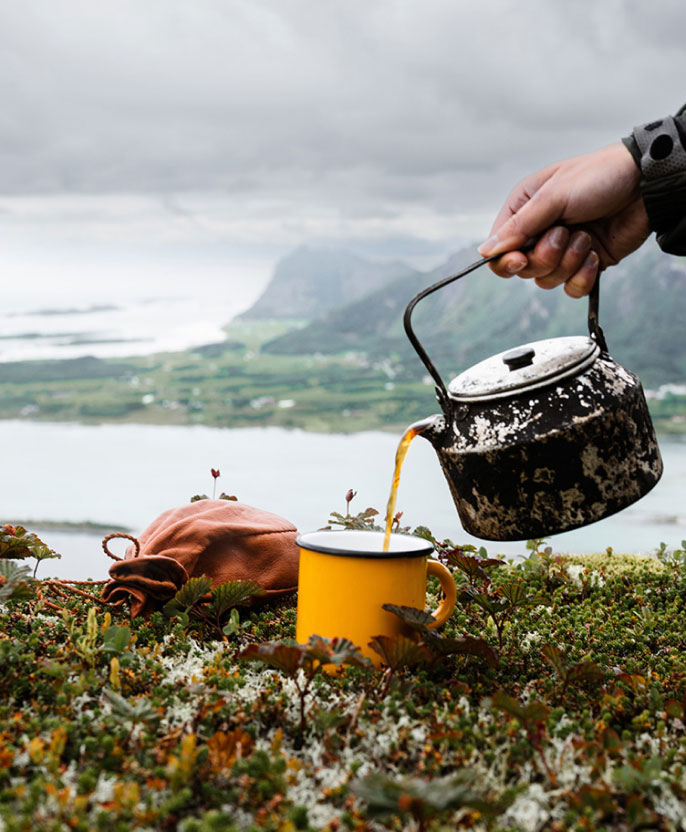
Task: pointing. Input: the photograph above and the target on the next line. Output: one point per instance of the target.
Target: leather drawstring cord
(120, 534)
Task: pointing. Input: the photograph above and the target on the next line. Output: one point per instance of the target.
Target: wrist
(630, 143)
(626, 163)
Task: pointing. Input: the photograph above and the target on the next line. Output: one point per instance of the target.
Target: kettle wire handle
(595, 332)
(441, 390)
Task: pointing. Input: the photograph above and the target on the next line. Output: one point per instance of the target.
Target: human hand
(586, 212)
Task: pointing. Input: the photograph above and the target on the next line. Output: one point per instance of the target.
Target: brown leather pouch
(222, 539)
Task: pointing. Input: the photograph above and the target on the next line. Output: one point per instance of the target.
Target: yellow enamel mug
(345, 578)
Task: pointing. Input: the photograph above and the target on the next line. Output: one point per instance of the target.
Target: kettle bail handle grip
(594, 328)
(595, 332)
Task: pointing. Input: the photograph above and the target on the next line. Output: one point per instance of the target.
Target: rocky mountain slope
(311, 281)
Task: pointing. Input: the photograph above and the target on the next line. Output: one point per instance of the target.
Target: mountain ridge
(310, 281)
(642, 310)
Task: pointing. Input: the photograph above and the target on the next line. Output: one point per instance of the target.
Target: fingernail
(580, 288)
(558, 237)
(517, 266)
(591, 260)
(486, 248)
(580, 241)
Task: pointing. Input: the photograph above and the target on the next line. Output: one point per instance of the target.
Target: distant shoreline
(677, 437)
(85, 527)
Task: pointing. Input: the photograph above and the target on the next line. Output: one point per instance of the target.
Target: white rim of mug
(340, 550)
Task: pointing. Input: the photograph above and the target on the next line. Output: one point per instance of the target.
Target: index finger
(521, 227)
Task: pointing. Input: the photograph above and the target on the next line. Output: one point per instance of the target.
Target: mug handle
(447, 605)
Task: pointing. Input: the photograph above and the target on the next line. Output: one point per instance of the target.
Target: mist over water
(121, 306)
(114, 330)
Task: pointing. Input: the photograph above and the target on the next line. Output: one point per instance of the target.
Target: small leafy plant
(15, 582)
(544, 563)
(532, 717)
(425, 800)
(94, 639)
(438, 645)
(501, 603)
(585, 671)
(362, 520)
(672, 557)
(214, 607)
(131, 711)
(305, 660)
(398, 652)
(475, 567)
(17, 543)
(215, 473)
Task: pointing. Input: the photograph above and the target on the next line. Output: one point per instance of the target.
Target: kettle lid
(530, 366)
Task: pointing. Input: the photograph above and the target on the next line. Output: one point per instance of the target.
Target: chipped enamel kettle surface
(542, 438)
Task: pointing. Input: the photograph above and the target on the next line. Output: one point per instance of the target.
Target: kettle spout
(432, 428)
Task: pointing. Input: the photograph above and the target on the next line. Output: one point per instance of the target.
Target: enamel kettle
(543, 438)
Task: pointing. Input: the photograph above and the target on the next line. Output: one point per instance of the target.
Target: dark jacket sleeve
(663, 186)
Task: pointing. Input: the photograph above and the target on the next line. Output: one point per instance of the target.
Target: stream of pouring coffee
(400, 455)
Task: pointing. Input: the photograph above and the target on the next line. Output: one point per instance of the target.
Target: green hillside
(643, 311)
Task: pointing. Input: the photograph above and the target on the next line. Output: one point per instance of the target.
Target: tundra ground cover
(554, 699)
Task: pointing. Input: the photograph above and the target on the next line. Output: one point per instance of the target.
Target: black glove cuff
(663, 185)
(662, 152)
(674, 240)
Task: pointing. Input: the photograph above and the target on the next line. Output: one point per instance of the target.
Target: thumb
(534, 217)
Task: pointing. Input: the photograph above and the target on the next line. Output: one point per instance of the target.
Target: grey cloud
(352, 99)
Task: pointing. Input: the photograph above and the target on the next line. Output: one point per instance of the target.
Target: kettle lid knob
(519, 357)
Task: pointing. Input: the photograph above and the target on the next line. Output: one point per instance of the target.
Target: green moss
(614, 563)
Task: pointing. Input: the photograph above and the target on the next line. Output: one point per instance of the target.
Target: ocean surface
(126, 475)
(106, 330)
(124, 312)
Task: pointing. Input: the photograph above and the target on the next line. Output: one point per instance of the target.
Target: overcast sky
(273, 122)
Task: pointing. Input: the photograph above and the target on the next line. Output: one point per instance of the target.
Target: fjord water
(128, 474)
